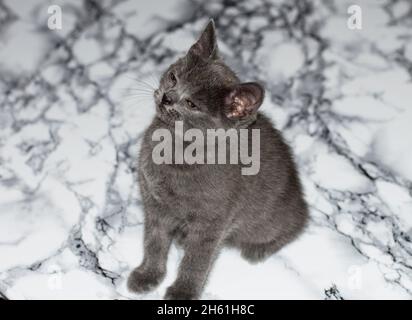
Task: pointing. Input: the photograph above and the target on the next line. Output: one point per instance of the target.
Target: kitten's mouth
(166, 114)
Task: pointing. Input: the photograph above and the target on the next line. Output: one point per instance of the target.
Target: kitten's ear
(206, 46)
(243, 100)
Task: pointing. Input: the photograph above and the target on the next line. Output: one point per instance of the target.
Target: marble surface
(74, 103)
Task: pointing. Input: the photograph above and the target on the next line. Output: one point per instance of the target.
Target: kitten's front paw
(143, 280)
(254, 255)
(176, 292)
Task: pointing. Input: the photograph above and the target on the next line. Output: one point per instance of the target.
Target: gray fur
(203, 207)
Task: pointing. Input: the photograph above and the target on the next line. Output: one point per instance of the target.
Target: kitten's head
(200, 90)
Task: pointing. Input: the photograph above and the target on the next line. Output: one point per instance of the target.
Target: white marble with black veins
(74, 104)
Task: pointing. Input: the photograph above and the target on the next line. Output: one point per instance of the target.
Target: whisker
(131, 102)
(138, 90)
(139, 87)
(142, 82)
(134, 94)
(137, 96)
(155, 79)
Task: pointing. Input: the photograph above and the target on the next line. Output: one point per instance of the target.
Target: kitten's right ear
(206, 47)
(243, 100)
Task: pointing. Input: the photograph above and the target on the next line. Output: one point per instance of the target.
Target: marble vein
(75, 102)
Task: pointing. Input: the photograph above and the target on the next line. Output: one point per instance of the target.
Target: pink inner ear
(238, 108)
(241, 104)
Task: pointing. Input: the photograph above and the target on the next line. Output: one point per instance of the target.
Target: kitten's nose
(166, 100)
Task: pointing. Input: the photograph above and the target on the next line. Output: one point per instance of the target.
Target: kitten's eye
(173, 78)
(190, 104)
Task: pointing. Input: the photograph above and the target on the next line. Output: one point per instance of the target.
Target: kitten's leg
(152, 270)
(201, 249)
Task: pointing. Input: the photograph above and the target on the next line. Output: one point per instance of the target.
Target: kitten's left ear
(206, 47)
(243, 100)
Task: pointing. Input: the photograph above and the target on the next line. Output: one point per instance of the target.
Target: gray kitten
(205, 206)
